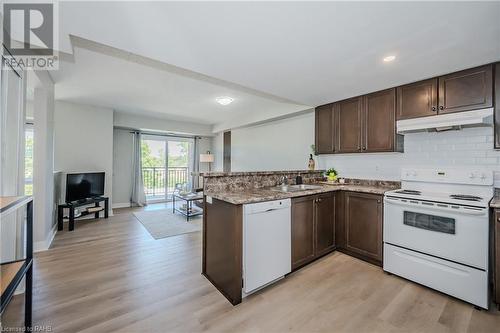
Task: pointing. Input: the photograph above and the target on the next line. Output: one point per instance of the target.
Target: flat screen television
(81, 186)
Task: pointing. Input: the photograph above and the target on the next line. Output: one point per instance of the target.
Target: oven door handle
(436, 207)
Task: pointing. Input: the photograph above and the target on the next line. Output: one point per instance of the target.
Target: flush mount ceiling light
(224, 100)
(389, 58)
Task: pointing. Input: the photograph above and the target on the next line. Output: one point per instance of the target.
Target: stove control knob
(483, 176)
(471, 175)
(414, 173)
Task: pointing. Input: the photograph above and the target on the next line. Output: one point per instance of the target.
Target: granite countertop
(253, 173)
(495, 202)
(265, 194)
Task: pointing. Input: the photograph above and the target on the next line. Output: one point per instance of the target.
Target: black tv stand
(75, 204)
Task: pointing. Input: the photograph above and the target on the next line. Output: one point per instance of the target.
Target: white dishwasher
(267, 245)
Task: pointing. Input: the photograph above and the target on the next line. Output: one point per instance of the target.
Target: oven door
(456, 233)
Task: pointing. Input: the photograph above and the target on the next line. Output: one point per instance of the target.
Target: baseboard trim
(121, 205)
(45, 244)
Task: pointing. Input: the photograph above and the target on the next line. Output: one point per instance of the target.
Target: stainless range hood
(443, 122)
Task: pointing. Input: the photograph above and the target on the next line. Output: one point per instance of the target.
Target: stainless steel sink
(295, 188)
(303, 187)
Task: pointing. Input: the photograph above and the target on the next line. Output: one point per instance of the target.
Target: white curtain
(138, 197)
(196, 164)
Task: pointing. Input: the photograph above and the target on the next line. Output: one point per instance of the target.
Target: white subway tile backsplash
(444, 147)
(493, 153)
(477, 139)
(488, 145)
(469, 147)
(464, 146)
(487, 160)
(464, 161)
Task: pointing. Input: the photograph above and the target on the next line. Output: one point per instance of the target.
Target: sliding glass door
(166, 165)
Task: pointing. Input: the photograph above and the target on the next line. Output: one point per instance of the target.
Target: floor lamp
(207, 158)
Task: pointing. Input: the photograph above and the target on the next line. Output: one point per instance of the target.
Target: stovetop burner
(465, 197)
(412, 192)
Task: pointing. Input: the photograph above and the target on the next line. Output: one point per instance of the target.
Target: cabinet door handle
(364, 148)
(378, 201)
(498, 219)
(441, 107)
(434, 108)
(319, 200)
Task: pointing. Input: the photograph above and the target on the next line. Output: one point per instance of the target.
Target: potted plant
(331, 174)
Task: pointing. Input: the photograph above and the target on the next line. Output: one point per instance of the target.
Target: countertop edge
(281, 195)
(495, 203)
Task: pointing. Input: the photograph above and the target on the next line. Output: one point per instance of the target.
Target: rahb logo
(30, 34)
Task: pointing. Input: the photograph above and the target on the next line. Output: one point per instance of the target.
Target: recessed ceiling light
(389, 58)
(224, 100)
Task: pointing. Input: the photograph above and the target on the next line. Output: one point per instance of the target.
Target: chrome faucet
(283, 180)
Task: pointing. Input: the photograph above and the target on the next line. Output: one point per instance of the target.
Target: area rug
(163, 223)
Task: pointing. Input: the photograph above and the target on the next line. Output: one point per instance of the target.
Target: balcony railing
(159, 179)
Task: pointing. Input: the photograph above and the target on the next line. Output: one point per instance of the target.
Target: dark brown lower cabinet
(363, 219)
(223, 247)
(302, 231)
(325, 224)
(313, 228)
(496, 257)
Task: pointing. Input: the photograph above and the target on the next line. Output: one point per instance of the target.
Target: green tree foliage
(28, 164)
(180, 160)
(28, 158)
(154, 180)
(149, 160)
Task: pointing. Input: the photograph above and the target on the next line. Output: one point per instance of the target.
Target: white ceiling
(135, 85)
(308, 52)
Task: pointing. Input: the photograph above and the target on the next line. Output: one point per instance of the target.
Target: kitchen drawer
(466, 283)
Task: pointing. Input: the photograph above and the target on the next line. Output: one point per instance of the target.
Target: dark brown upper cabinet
(349, 113)
(364, 124)
(418, 99)
(466, 90)
(368, 123)
(325, 138)
(363, 220)
(379, 130)
(497, 105)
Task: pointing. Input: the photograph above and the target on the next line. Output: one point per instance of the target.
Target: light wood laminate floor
(112, 276)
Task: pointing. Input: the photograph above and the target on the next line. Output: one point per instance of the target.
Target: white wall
(279, 145)
(43, 164)
(284, 144)
(122, 167)
(84, 140)
(205, 144)
(218, 151)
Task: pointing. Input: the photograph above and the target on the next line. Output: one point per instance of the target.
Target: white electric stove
(436, 230)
